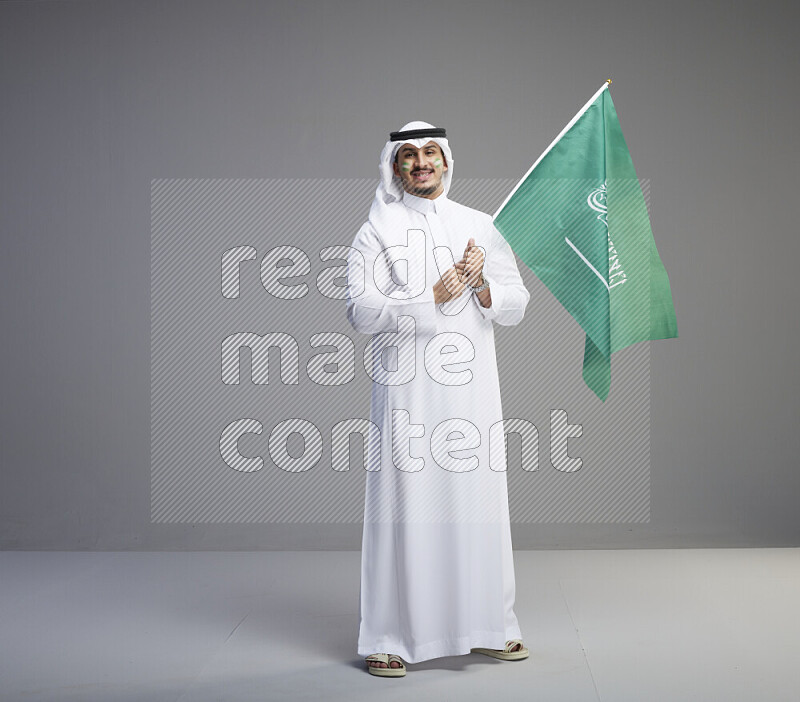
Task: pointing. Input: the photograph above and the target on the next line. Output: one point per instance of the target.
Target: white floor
(617, 626)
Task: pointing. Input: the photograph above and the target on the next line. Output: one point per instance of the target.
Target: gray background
(100, 98)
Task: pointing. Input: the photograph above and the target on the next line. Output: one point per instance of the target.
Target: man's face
(421, 170)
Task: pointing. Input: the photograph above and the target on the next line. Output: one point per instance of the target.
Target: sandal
(506, 654)
(388, 671)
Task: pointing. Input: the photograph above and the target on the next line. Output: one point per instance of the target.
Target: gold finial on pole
(608, 80)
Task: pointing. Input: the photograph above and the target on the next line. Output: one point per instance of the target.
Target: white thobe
(437, 571)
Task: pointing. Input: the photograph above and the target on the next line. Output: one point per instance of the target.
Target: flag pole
(555, 141)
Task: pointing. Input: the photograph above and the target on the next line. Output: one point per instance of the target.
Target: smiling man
(437, 572)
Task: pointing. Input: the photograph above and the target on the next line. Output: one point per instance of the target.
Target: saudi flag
(578, 220)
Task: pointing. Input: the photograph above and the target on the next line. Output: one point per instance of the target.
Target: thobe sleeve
(509, 294)
(369, 310)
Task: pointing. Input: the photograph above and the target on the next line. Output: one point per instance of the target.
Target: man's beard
(423, 189)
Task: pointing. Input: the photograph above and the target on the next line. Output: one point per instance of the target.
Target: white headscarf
(390, 188)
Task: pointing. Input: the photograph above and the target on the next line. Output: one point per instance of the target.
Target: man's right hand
(448, 287)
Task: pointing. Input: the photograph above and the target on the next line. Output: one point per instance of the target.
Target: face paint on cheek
(438, 163)
(406, 167)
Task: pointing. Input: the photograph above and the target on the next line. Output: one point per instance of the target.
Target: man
(437, 572)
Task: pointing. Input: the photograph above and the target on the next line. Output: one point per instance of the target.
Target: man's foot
(514, 651)
(386, 665)
(381, 664)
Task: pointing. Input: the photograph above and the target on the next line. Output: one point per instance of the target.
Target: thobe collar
(424, 205)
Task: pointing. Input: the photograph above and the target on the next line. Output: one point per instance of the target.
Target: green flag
(578, 220)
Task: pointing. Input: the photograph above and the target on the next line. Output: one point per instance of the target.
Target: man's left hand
(470, 267)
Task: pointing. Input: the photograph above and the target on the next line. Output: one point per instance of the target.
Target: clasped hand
(467, 271)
